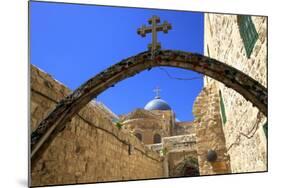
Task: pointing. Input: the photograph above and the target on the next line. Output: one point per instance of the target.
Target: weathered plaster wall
(224, 43)
(91, 148)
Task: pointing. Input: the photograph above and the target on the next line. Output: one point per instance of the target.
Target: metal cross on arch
(154, 28)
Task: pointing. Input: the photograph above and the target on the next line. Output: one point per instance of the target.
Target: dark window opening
(139, 136)
(156, 139)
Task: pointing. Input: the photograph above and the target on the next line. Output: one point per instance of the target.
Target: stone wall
(147, 128)
(149, 123)
(176, 150)
(245, 138)
(182, 128)
(180, 143)
(91, 148)
(209, 132)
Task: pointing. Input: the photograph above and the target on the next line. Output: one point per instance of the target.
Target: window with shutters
(265, 129)
(223, 114)
(248, 33)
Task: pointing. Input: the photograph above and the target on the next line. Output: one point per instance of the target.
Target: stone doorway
(186, 168)
(191, 171)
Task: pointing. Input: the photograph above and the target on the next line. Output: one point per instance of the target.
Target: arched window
(156, 138)
(139, 136)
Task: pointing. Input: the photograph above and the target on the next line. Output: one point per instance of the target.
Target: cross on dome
(157, 103)
(157, 91)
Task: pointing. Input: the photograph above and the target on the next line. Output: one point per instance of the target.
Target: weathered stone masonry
(86, 146)
(209, 132)
(74, 102)
(91, 148)
(245, 139)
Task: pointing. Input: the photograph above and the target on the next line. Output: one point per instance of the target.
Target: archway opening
(187, 167)
(69, 106)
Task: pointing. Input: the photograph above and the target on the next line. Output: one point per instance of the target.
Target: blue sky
(75, 42)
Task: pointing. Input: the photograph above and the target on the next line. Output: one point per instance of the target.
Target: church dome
(157, 104)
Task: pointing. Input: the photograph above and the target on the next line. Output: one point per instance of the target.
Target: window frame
(265, 129)
(222, 109)
(248, 33)
(154, 138)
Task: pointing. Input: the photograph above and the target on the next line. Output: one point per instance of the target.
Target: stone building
(241, 42)
(93, 148)
(156, 121)
(157, 128)
(228, 134)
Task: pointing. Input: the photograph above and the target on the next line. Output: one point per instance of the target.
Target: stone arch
(69, 106)
(187, 167)
(190, 168)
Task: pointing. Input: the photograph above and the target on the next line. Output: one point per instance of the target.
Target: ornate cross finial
(157, 91)
(154, 28)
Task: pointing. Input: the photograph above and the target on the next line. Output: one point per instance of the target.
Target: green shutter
(223, 114)
(248, 33)
(265, 129)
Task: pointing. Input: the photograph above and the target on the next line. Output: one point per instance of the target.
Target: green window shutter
(265, 129)
(223, 114)
(248, 33)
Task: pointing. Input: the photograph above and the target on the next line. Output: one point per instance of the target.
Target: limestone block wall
(168, 117)
(91, 148)
(147, 128)
(182, 128)
(209, 132)
(176, 150)
(180, 143)
(245, 138)
(149, 123)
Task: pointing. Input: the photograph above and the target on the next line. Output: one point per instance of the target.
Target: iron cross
(154, 28)
(157, 91)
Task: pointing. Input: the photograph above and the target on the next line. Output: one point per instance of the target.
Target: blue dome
(157, 104)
